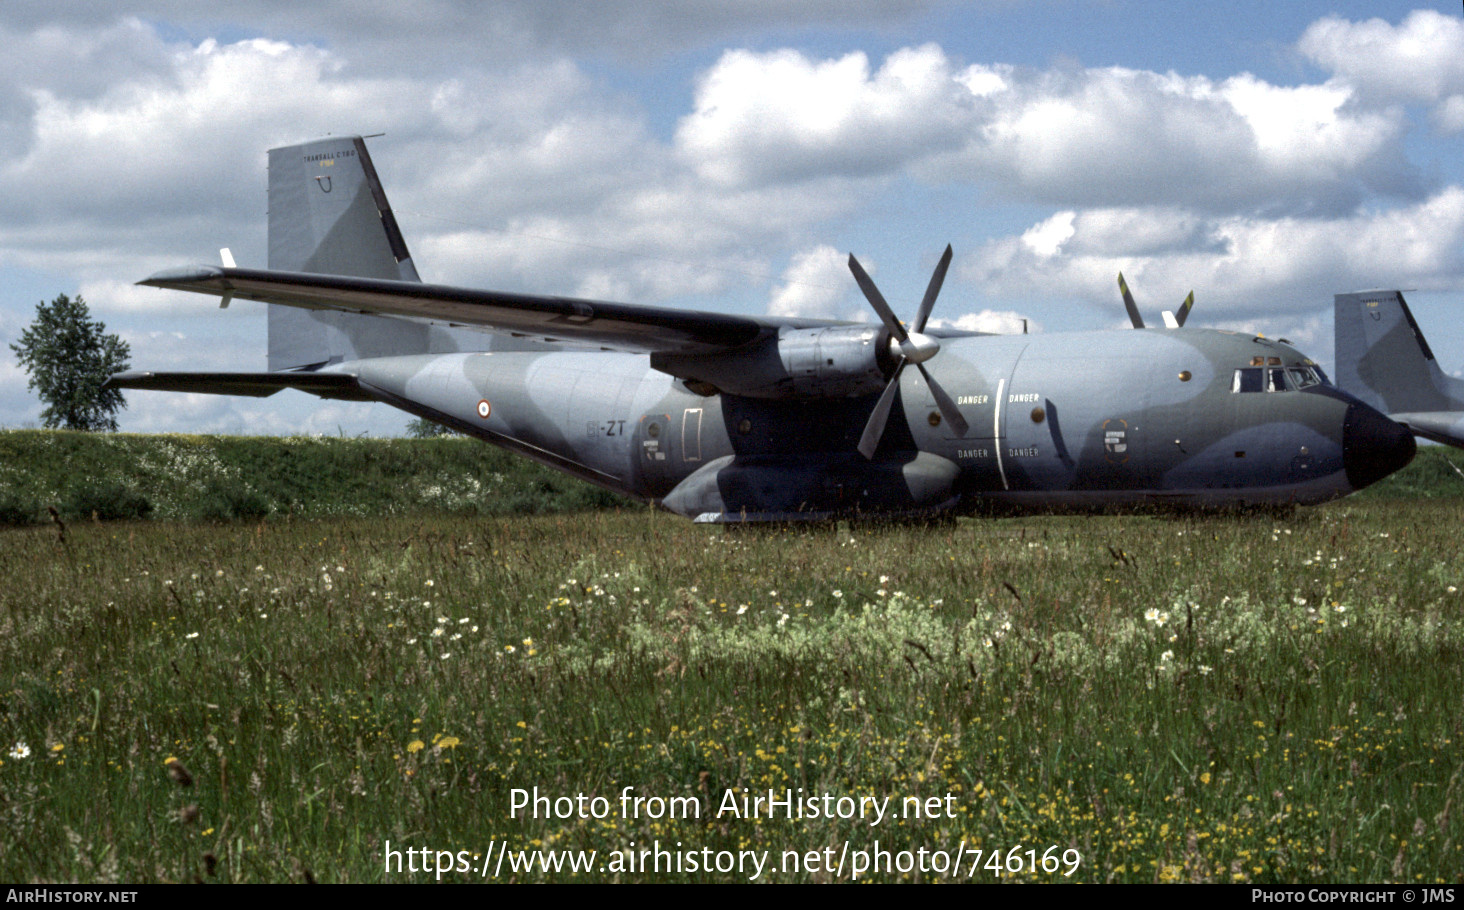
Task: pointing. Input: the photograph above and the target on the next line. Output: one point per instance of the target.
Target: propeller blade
(1184, 308)
(876, 300)
(948, 409)
(936, 280)
(1128, 303)
(913, 347)
(874, 429)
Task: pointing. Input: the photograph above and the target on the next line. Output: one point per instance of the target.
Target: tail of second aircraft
(1383, 359)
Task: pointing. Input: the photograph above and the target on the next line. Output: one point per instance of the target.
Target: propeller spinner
(906, 347)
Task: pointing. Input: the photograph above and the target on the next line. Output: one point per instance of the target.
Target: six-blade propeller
(906, 347)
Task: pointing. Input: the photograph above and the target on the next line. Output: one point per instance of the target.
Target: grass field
(224, 478)
(1128, 698)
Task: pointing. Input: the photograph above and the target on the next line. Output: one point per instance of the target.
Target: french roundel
(484, 409)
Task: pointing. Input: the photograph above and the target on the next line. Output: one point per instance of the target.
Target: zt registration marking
(613, 427)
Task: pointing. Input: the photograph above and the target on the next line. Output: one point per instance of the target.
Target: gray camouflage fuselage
(1083, 419)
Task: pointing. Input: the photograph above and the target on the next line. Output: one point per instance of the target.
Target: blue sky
(728, 156)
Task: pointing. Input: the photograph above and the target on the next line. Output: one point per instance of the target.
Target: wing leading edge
(342, 386)
(614, 326)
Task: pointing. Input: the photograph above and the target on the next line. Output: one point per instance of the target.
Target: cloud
(1419, 60)
(1238, 266)
(994, 322)
(168, 159)
(437, 36)
(781, 117)
(815, 284)
(1089, 137)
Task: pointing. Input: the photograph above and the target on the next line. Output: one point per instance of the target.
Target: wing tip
(188, 274)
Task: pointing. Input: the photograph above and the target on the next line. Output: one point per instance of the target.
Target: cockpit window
(1304, 377)
(1277, 379)
(1248, 379)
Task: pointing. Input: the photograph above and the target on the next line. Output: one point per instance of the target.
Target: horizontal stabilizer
(1446, 427)
(342, 386)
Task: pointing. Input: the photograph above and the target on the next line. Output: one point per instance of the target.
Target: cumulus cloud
(437, 35)
(1071, 136)
(780, 116)
(535, 177)
(816, 284)
(164, 158)
(1238, 266)
(1419, 60)
(993, 322)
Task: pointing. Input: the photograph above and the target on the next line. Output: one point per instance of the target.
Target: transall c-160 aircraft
(727, 418)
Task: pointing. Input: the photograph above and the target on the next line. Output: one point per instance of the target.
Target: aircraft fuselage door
(691, 421)
(656, 459)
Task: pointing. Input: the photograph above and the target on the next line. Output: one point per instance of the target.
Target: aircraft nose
(1373, 446)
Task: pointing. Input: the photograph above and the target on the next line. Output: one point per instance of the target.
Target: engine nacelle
(829, 362)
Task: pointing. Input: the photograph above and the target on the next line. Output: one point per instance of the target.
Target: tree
(69, 357)
(422, 428)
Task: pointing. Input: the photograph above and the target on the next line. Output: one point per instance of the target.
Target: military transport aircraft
(727, 418)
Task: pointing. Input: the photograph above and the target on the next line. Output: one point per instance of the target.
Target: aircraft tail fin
(328, 215)
(1383, 359)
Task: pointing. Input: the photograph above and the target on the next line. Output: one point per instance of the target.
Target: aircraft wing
(615, 326)
(1446, 427)
(343, 386)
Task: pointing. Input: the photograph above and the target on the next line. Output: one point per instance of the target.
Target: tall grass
(221, 478)
(1177, 699)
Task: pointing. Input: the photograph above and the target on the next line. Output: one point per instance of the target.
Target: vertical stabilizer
(328, 214)
(1383, 359)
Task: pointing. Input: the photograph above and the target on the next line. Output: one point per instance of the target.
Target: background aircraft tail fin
(328, 215)
(1383, 359)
